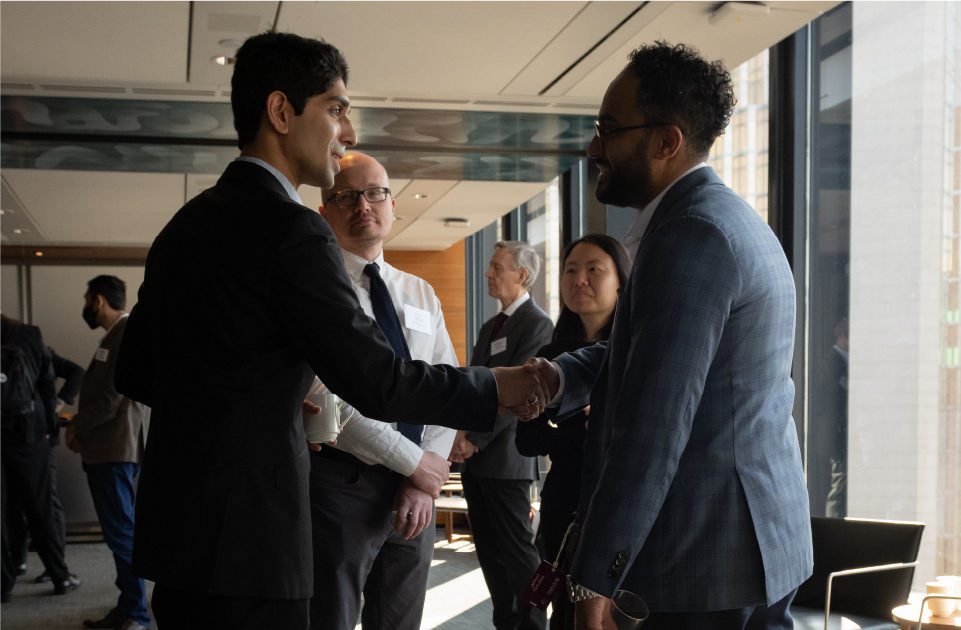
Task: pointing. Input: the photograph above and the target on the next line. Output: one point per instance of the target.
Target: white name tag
(417, 319)
(101, 354)
(498, 346)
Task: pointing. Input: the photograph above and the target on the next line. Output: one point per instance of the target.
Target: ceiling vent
(510, 104)
(233, 23)
(173, 92)
(456, 222)
(85, 89)
(439, 101)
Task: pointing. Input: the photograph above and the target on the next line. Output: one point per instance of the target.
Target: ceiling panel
(414, 199)
(218, 30)
(92, 208)
(731, 40)
(432, 47)
(479, 202)
(98, 41)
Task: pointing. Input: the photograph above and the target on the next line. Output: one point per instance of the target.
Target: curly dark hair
(283, 62)
(681, 88)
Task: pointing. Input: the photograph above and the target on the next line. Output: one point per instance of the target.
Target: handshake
(526, 390)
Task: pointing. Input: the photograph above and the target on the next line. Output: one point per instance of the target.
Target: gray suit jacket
(111, 427)
(693, 492)
(528, 329)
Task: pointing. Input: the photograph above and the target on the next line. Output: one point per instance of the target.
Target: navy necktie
(386, 318)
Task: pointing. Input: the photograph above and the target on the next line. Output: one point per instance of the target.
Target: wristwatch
(578, 593)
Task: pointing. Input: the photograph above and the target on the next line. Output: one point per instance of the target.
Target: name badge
(544, 585)
(101, 354)
(498, 346)
(417, 319)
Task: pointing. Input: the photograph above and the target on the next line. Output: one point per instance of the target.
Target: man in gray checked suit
(693, 492)
(497, 479)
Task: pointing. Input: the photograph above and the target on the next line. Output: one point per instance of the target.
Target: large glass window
(544, 235)
(883, 383)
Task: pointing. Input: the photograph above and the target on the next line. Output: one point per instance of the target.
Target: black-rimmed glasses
(348, 198)
(602, 133)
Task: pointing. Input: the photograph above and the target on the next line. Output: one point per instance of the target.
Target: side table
(907, 617)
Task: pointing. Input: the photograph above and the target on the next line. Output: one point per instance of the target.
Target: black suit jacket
(526, 330)
(245, 297)
(43, 421)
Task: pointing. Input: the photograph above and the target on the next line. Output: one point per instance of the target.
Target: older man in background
(496, 477)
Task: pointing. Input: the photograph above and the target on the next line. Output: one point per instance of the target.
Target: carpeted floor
(457, 597)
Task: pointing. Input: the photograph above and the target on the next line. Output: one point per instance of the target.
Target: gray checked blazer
(528, 329)
(693, 492)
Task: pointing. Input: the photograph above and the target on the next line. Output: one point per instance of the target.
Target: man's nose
(348, 135)
(595, 148)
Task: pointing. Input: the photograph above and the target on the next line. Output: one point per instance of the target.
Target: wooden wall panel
(445, 272)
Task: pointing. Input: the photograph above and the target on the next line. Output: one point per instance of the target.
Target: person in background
(28, 420)
(593, 268)
(72, 374)
(371, 495)
(109, 431)
(497, 479)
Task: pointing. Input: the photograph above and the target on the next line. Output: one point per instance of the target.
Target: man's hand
(59, 407)
(414, 509)
(462, 448)
(431, 473)
(521, 387)
(593, 614)
(71, 439)
(310, 407)
(547, 373)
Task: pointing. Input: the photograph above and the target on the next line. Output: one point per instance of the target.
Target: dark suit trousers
(26, 481)
(19, 530)
(356, 550)
(499, 511)
(775, 617)
(175, 609)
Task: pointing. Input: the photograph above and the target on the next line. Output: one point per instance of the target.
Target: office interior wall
(10, 291)
(445, 271)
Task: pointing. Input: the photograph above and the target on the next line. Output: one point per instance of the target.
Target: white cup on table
(955, 582)
(940, 607)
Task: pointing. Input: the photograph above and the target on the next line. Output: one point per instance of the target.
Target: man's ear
(524, 274)
(668, 142)
(279, 112)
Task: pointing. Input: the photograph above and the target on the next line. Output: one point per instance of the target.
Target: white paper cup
(955, 582)
(324, 426)
(940, 607)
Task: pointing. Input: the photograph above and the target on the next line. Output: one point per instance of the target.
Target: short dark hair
(112, 288)
(681, 88)
(569, 325)
(280, 62)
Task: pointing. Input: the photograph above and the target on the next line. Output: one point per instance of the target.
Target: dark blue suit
(693, 491)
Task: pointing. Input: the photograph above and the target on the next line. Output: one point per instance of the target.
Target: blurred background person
(497, 479)
(28, 419)
(593, 268)
(72, 374)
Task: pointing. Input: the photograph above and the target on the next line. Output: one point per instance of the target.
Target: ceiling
(113, 113)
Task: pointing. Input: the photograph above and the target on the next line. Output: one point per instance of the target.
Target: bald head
(361, 227)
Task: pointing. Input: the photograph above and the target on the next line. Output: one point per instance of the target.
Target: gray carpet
(457, 596)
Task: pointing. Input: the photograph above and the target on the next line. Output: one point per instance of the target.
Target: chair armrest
(859, 570)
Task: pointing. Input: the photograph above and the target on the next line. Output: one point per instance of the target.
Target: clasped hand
(526, 390)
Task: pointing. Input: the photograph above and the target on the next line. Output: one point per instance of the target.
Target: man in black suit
(497, 479)
(245, 298)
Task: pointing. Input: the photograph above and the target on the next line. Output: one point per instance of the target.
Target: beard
(628, 182)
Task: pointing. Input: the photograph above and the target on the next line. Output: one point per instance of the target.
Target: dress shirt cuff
(556, 400)
(405, 458)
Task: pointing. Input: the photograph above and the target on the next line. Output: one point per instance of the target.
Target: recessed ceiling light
(3, 211)
(456, 222)
(18, 231)
(233, 44)
(224, 60)
(420, 196)
(38, 253)
(399, 217)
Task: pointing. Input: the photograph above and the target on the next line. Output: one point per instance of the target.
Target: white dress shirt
(372, 441)
(516, 304)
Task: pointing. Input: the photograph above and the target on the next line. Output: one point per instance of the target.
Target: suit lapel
(514, 320)
(700, 177)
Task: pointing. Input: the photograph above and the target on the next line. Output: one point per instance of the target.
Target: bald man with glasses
(372, 494)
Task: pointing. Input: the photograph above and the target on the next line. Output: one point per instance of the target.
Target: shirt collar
(516, 304)
(124, 316)
(634, 235)
(355, 264)
(291, 191)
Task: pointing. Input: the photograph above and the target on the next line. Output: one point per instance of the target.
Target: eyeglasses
(601, 133)
(348, 198)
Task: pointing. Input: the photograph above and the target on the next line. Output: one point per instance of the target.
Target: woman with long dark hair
(593, 268)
